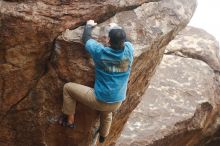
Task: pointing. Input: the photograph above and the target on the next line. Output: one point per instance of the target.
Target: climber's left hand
(91, 23)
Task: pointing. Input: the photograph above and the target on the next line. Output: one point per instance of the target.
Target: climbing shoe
(66, 124)
(62, 119)
(101, 139)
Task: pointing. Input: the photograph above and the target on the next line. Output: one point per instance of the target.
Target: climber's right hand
(91, 23)
(114, 25)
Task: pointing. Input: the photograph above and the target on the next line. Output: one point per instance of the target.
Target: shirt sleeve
(130, 50)
(87, 33)
(93, 47)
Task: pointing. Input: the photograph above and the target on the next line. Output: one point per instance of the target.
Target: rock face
(181, 105)
(37, 56)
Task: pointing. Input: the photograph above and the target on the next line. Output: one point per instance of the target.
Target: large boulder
(28, 31)
(181, 105)
(37, 56)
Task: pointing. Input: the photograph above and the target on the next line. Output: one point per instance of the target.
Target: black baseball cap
(117, 36)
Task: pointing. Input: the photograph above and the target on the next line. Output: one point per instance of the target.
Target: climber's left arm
(91, 45)
(87, 33)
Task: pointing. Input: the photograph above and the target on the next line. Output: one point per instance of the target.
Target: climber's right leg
(105, 125)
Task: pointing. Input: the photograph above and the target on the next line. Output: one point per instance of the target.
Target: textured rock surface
(28, 30)
(181, 105)
(35, 64)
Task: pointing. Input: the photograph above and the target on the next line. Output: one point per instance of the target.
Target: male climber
(112, 70)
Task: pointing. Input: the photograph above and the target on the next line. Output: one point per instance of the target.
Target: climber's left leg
(69, 106)
(73, 92)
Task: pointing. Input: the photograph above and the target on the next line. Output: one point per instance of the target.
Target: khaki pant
(73, 92)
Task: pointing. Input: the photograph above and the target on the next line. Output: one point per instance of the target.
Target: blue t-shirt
(112, 70)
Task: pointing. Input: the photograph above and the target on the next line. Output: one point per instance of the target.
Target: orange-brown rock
(36, 60)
